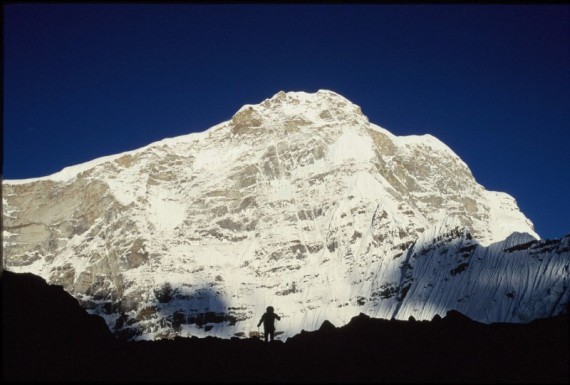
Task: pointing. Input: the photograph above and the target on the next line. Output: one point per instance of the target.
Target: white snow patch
(505, 217)
(351, 146)
(213, 159)
(166, 213)
(282, 189)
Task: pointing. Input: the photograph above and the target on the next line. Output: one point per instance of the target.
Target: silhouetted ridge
(49, 337)
(327, 327)
(45, 331)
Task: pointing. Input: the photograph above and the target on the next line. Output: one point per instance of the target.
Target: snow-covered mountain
(298, 202)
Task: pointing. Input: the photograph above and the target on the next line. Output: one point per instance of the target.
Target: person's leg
(271, 333)
(265, 335)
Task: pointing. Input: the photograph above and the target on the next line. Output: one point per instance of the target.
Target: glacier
(298, 202)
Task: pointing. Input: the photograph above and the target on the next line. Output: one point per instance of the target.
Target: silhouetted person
(268, 320)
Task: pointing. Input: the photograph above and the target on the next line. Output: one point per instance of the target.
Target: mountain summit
(298, 202)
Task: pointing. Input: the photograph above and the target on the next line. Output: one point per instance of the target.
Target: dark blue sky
(491, 81)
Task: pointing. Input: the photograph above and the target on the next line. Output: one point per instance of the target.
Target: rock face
(298, 202)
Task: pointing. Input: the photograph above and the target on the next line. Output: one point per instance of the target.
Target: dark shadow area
(47, 336)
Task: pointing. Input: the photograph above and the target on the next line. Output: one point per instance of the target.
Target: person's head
(270, 309)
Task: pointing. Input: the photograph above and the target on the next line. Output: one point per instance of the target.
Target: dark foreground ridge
(48, 337)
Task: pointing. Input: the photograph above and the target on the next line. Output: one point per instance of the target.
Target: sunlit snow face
(314, 211)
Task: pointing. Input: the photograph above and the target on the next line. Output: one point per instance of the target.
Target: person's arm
(261, 320)
(279, 318)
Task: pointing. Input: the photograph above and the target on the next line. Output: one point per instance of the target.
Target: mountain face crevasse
(298, 202)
